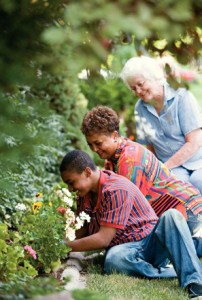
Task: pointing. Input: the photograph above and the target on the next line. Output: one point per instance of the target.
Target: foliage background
(44, 45)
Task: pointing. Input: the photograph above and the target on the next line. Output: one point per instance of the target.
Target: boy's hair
(76, 160)
(100, 119)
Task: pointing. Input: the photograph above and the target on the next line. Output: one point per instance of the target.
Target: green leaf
(3, 246)
(30, 270)
(4, 232)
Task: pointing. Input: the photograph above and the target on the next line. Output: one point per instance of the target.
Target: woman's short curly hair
(100, 119)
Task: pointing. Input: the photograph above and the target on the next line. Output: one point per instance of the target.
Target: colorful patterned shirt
(154, 179)
(121, 205)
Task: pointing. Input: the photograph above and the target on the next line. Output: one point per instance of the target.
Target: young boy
(124, 223)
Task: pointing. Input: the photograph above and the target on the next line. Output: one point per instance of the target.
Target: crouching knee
(171, 214)
(113, 260)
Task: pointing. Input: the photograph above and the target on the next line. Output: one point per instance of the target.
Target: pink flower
(30, 251)
(188, 75)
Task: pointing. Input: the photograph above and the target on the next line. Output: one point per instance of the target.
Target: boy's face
(79, 183)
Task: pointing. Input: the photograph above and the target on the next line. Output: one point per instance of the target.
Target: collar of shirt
(103, 178)
(169, 94)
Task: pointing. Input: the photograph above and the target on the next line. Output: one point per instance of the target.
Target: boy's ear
(88, 171)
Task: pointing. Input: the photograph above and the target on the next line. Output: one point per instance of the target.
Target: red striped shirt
(119, 204)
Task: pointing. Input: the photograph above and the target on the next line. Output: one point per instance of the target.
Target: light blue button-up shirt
(180, 116)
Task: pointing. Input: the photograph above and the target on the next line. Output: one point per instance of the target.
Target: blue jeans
(192, 176)
(170, 239)
(195, 226)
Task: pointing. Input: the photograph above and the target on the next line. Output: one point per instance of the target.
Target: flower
(70, 216)
(68, 201)
(79, 223)
(36, 206)
(59, 193)
(70, 234)
(30, 251)
(39, 195)
(20, 206)
(61, 210)
(188, 75)
(84, 217)
(66, 192)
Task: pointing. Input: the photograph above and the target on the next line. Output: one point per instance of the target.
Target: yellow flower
(50, 203)
(39, 195)
(36, 206)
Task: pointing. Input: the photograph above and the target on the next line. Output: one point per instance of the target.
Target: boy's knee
(171, 215)
(112, 261)
(116, 258)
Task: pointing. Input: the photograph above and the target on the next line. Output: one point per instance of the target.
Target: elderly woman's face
(144, 88)
(104, 145)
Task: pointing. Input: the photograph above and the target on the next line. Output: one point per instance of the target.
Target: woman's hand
(193, 141)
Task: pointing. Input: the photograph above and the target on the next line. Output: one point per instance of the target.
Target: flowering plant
(72, 223)
(42, 223)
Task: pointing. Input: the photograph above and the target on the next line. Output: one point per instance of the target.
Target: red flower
(61, 210)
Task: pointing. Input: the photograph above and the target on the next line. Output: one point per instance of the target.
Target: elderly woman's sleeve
(190, 117)
(140, 125)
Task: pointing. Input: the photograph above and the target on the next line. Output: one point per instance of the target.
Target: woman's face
(104, 145)
(145, 89)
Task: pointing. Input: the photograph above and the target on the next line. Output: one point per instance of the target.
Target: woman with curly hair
(130, 159)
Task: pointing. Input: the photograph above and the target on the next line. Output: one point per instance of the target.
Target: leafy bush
(110, 92)
(23, 288)
(34, 140)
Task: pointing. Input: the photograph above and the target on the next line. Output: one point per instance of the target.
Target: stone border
(71, 269)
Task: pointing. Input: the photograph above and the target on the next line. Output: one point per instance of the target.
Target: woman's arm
(193, 141)
(99, 240)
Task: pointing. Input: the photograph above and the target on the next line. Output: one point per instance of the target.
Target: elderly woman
(100, 127)
(167, 120)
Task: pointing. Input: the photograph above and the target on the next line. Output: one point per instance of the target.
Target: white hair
(144, 66)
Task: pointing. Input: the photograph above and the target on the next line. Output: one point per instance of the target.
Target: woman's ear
(115, 135)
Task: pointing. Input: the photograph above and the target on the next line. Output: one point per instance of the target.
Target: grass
(122, 287)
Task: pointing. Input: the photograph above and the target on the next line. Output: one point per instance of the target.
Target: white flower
(68, 201)
(59, 193)
(83, 216)
(20, 206)
(70, 234)
(66, 192)
(7, 216)
(79, 223)
(70, 216)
